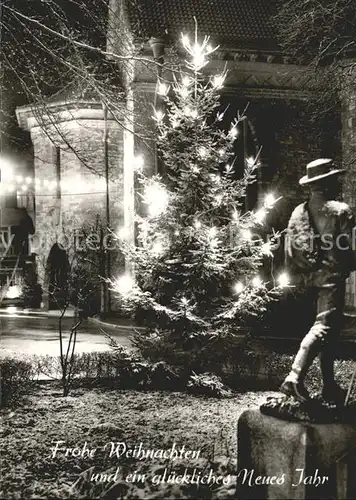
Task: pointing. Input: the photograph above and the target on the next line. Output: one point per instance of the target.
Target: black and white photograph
(178, 249)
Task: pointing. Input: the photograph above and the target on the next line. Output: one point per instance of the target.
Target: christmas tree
(195, 271)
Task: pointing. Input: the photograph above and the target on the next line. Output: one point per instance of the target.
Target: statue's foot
(295, 390)
(334, 393)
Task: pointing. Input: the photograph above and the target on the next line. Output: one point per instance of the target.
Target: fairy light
(125, 284)
(218, 81)
(246, 234)
(203, 152)
(184, 301)
(238, 287)
(266, 248)
(260, 215)
(163, 89)
(195, 169)
(197, 224)
(184, 92)
(156, 197)
(269, 200)
(222, 152)
(257, 282)
(186, 81)
(194, 113)
(158, 248)
(250, 161)
(186, 42)
(283, 280)
(159, 115)
(176, 232)
(212, 232)
(234, 132)
(139, 163)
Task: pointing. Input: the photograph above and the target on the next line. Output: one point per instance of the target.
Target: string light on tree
(157, 198)
(257, 282)
(270, 200)
(260, 215)
(218, 81)
(139, 163)
(124, 284)
(266, 249)
(283, 280)
(163, 89)
(238, 287)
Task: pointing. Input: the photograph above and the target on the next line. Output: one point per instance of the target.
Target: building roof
(239, 24)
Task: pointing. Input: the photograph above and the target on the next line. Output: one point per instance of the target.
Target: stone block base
(294, 460)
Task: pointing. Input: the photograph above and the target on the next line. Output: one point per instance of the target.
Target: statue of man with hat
(320, 252)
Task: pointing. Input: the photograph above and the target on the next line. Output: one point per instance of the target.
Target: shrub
(208, 384)
(16, 380)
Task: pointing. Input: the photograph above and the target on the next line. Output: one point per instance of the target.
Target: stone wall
(80, 199)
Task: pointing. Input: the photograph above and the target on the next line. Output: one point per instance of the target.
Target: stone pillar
(279, 459)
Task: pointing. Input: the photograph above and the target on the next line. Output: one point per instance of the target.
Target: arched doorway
(57, 271)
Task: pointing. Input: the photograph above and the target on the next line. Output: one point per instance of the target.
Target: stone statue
(320, 254)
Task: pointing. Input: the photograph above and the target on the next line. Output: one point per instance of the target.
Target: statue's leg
(334, 300)
(329, 298)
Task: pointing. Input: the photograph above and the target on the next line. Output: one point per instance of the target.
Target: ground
(39, 334)
(95, 416)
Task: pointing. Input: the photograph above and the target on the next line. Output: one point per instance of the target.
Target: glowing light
(186, 41)
(186, 81)
(218, 81)
(203, 152)
(184, 301)
(234, 132)
(197, 224)
(250, 161)
(139, 163)
(125, 284)
(19, 178)
(222, 152)
(194, 113)
(283, 280)
(235, 216)
(159, 115)
(266, 248)
(215, 178)
(158, 248)
(212, 232)
(176, 232)
(238, 287)
(195, 169)
(184, 92)
(5, 168)
(24, 187)
(28, 180)
(11, 310)
(122, 232)
(270, 200)
(257, 282)
(13, 292)
(157, 199)
(163, 89)
(260, 215)
(218, 199)
(246, 234)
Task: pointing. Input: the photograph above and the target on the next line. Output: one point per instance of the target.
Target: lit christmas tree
(196, 267)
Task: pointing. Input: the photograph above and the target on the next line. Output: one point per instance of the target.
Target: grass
(97, 416)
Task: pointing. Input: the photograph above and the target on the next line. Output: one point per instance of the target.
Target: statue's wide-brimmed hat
(320, 169)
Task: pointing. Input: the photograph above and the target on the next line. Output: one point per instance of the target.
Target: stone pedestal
(291, 460)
